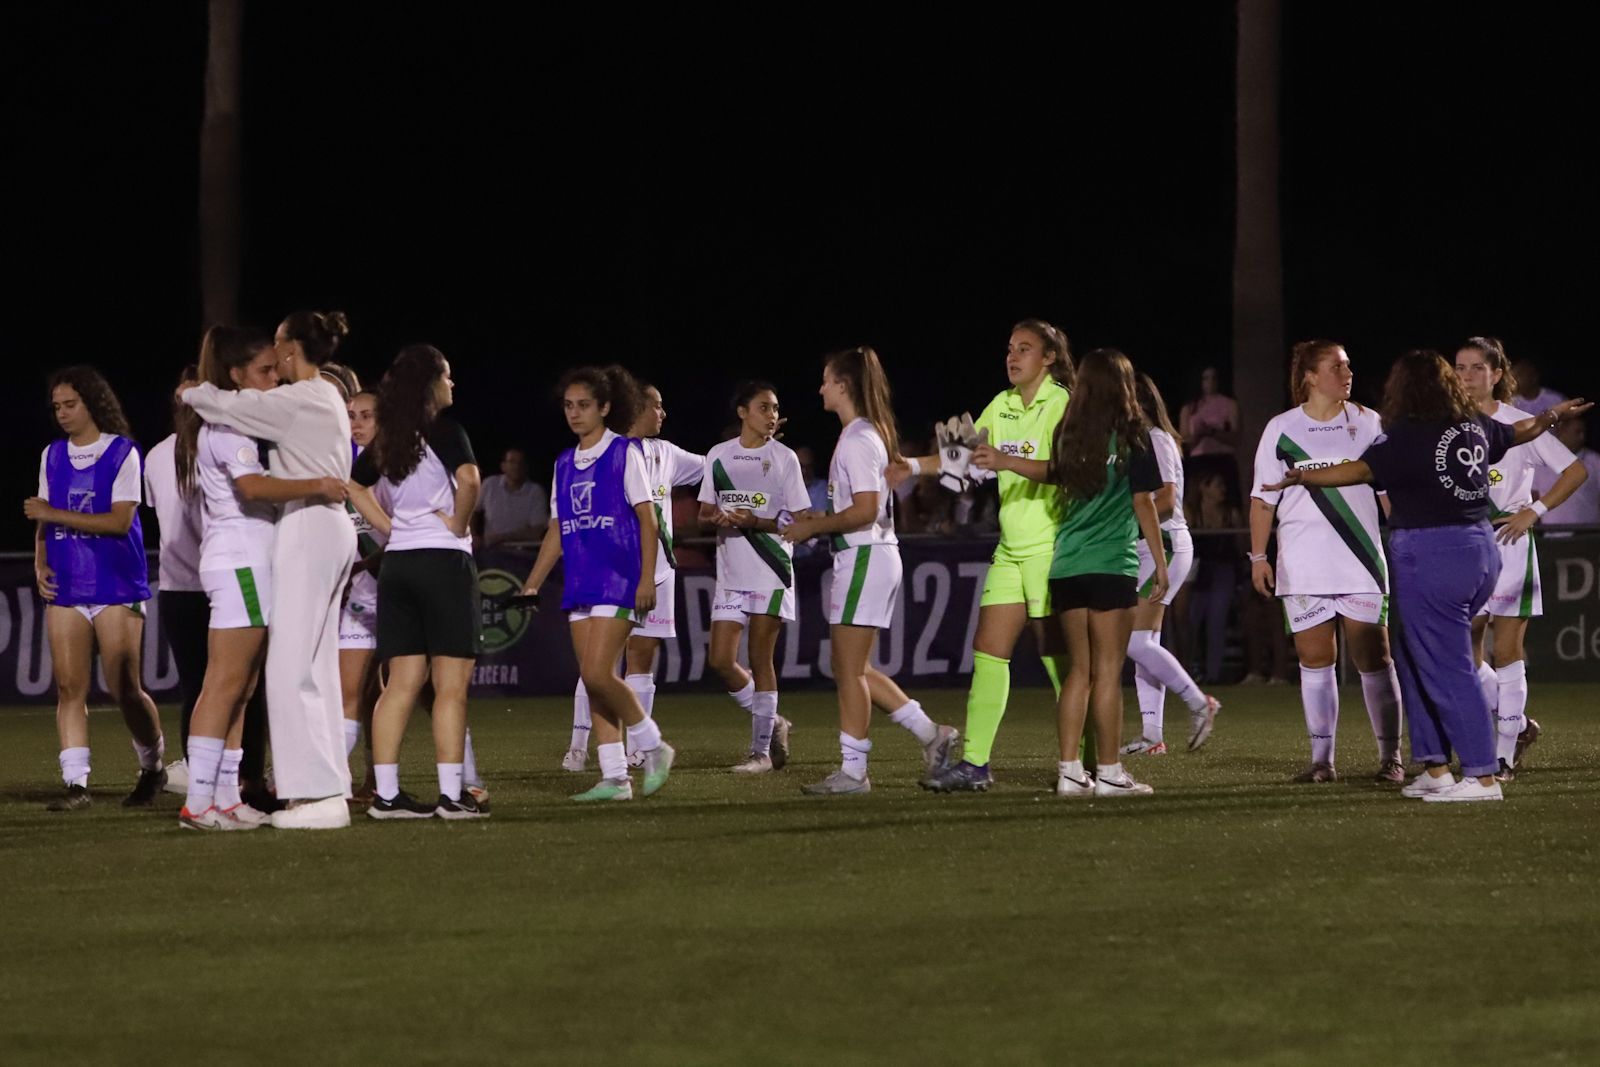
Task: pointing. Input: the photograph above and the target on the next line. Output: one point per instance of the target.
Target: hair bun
(334, 323)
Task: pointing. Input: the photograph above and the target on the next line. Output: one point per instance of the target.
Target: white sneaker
(244, 817)
(178, 777)
(754, 763)
(1425, 783)
(1073, 787)
(1465, 790)
(329, 813)
(575, 760)
(1202, 722)
(1120, 787)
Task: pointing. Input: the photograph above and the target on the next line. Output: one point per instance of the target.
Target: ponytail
(864, 376)
(1055, 342)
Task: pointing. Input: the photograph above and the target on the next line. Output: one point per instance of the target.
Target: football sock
(1319, 692)
(986, 705)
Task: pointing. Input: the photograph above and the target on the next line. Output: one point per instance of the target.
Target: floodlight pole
(219, 166)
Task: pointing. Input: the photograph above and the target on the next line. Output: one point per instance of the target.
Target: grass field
(1231, 918)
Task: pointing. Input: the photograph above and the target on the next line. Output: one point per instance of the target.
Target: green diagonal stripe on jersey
(767, 547)
(664, 535)
(858, 582)
(1337, 511)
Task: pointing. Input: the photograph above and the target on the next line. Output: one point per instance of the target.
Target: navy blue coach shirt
(1437, 473)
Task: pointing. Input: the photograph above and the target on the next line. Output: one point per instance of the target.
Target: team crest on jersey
(1352, 430)
(766, 466)
(81, 500)
(582, 497)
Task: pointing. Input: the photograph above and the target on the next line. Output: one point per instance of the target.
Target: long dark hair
(609, 385)
(1055, 342)
(1423, 387)
(319, 333)
(223, 349)
(1494, 354)
(1154, 407)
(405, 410)
(862, 371)
(1104, 409)
(95, 392)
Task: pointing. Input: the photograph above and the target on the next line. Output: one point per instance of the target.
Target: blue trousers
(1441, 576)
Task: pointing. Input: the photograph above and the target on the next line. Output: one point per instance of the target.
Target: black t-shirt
(1437, 473)
(448, 441)
(1144, 471)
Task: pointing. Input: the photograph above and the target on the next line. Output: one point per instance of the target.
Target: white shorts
(602, 611)
(240, 597)
(358, 625)
(89, 611)
(1517, 595)
(866, 586)
(732, 605)
(1301, 612)
(1180, 560)
(662, 621)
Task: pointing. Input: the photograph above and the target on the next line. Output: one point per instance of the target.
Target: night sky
(706, 201)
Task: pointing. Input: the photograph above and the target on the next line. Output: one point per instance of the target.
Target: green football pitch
(1231, 918)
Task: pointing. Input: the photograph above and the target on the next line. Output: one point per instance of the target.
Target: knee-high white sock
(352, 736)
(1510, 717)
(228, 779)
(644, 687)
(469, 764)
(205, 760)
(75, 766)
(581, 722)
(1381, 690)
(1152, 702)
(763, 717)
(1144, 648)
(1490, 683)
(746, 697)
(1319, 692)
(913, 718)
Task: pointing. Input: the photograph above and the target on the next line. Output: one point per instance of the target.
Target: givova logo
(581, 496)
(502, 626)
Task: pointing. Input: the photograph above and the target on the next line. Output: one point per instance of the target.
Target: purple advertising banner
(930, 643)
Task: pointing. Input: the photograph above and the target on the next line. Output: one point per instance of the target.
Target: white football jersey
(1170, 459)
(860, 465)
(1328, 540)
(666, 467)
(1511, 480)
(764, 481)
(238, 532)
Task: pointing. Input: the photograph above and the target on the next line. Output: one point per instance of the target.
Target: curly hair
(1423, 387)
(95, 392)
(1055, 342)
(612, 385)
(1103, 414)
(405, 410)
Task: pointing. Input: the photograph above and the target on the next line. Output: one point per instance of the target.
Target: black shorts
(428, 604)
(1097, 592)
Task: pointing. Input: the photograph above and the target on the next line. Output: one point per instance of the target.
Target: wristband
(1539, 508)
(915, 465)
(1256, 557)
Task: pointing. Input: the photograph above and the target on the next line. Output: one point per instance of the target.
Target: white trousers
(311, 560)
